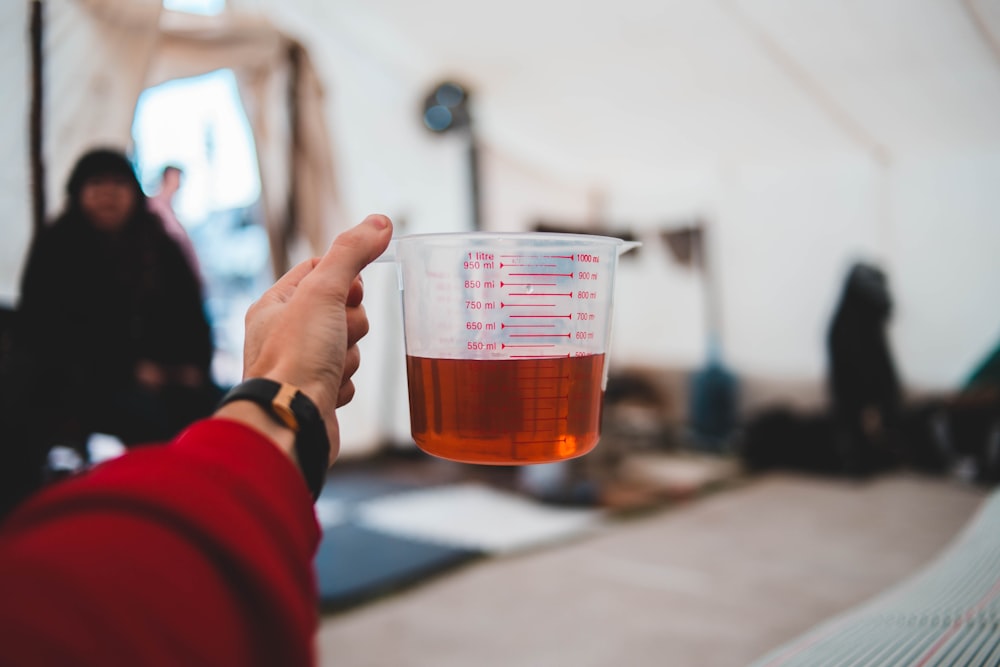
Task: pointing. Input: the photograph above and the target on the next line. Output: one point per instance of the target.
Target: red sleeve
(194, 553)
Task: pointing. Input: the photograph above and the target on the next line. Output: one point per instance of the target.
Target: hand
(305, 329)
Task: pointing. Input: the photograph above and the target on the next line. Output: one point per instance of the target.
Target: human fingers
(357, 324)
(357, 292)
(346, 394)
(282, 289)
(351, 251)
(352, 362)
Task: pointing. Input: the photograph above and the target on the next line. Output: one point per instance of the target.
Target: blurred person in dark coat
(112, 335)
(863, 382)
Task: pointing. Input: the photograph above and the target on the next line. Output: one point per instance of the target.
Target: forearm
(254, 416)
(142, 548)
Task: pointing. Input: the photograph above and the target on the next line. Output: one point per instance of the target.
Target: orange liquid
(507, 411)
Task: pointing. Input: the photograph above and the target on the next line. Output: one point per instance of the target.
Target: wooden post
(35, 132)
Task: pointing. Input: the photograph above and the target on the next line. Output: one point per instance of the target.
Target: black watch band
(290, 407)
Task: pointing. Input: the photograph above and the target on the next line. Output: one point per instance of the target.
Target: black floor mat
(355, 564)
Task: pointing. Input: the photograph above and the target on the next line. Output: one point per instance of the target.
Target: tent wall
(100, 54)
(96, 57)
(892, 158)
(387, 164)
(787, 235)
(15, 199)
(783, 237)
(946, 209)
(93, 50)
(838, 150)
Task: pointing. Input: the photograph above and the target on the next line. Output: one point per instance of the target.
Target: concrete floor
(716, 582)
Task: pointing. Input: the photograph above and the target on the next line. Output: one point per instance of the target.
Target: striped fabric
(948, 615)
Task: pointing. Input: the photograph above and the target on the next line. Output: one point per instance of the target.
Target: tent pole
(982, 26)
(281, 239)
(35, 128)
(474, 184)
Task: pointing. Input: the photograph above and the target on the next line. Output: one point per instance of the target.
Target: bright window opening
(199, 125)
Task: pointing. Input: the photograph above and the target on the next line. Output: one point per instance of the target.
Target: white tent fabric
(100, 54)
(15, 192)
(117, 45)
(806, 133)
(292, 153)
(90, 101)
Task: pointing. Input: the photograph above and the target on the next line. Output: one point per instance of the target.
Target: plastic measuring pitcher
(506, 341)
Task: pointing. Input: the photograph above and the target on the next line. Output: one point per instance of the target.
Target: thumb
(352, 251)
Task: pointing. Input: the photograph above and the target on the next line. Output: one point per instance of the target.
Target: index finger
(283, 288)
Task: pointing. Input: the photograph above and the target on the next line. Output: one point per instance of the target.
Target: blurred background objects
(814, 185)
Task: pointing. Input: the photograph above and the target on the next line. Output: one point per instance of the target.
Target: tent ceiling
(609, 90)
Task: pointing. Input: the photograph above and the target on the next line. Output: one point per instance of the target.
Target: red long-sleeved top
(194, 553)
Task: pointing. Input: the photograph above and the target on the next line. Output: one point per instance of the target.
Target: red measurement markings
(537, 256)
(539, 335)
(504, 346)
(526, 326)
(526, 305)
(568, 317)
(525, 275)
(537, 420)
(569, 294)
(503, 284)
(538, 356)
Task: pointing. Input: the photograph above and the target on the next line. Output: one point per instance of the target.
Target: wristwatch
(291, 408)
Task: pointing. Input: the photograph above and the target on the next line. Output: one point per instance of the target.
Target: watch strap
(288, 406)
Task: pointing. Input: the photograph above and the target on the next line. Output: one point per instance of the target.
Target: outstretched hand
(304, 330)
